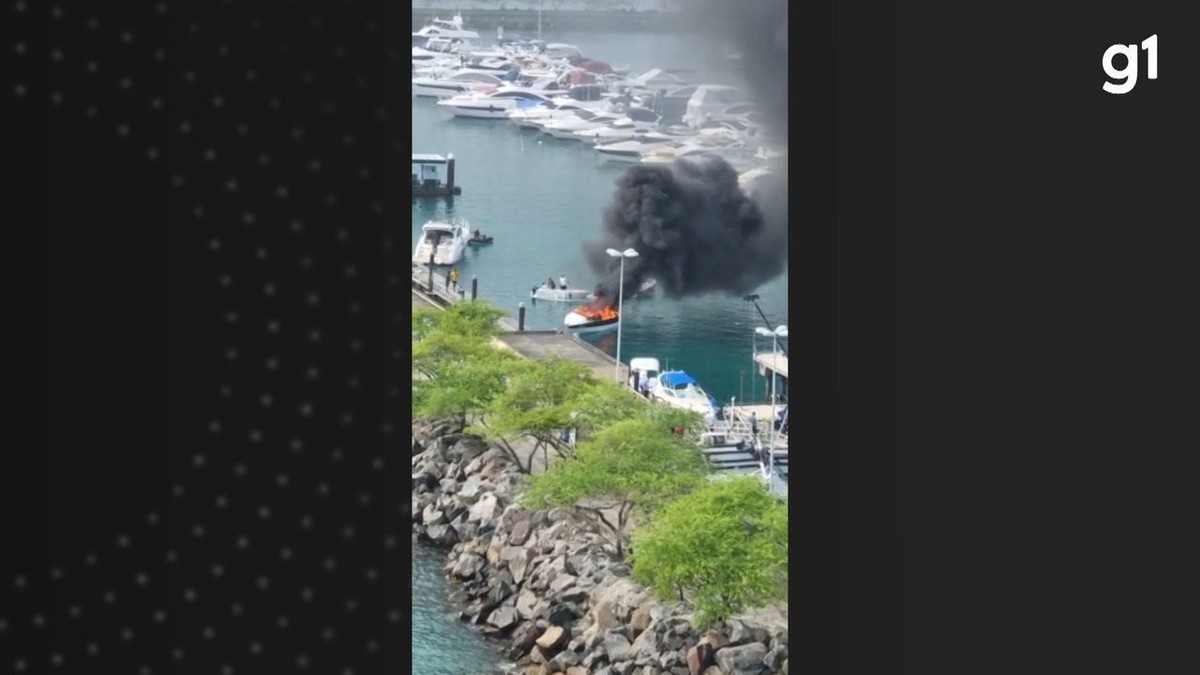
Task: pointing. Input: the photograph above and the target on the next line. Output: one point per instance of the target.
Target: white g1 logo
(1125, 79)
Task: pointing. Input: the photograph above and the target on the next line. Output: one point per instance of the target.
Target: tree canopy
(466, 318)
(723, 546)
(633, 466)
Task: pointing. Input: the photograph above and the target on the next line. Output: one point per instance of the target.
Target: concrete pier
(530, 344)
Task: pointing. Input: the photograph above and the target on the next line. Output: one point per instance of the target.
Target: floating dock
(433, 176)
(730, 445)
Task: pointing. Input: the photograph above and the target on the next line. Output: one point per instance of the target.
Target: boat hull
(561, 295)
(438, 91)
(577, 323)
(492, 113)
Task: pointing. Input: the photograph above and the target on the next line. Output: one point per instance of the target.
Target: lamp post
(627, 253)
(780, 331)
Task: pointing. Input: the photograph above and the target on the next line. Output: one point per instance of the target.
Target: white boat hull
(438, 91)
(577, 323)
(450, 248)
(492, 113)
(620, 157)
(562, 295)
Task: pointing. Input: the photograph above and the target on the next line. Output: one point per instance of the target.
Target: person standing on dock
(448, 278)
(754, 423)
(644, 386)
(454, 277)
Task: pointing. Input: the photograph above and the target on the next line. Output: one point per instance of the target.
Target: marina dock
(529, 344)
(731, 445)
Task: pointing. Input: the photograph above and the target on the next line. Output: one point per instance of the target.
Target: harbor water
(540, 198)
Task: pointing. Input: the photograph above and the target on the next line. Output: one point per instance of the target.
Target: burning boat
(599, 314)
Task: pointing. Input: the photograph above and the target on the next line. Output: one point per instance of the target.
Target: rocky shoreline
(546, 588)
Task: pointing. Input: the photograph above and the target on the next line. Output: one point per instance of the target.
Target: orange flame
(600, 309)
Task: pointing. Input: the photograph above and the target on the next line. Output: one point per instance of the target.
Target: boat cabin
(433, 176)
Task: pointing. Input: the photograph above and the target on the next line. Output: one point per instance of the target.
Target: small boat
(588, 318)
(548, 294)
(645, 289)
(445, 242)
(680, 390)
(480, 239)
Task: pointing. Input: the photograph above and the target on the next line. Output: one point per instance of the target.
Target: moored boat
(441, 243)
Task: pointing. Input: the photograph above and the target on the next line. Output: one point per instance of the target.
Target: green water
(540, 201)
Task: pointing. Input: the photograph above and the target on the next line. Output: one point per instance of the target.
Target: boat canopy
(677, 379)
(419, 158)
(644, 363)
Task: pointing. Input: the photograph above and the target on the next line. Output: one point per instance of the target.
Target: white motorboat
(492, 105)
(453, 83)
(680, 390)
(548, 294)
(445, 241)
(630, 151)
(626, 127)
(582, 120)
(719, 142)
(444, 28)
(595, 316)
(529, 117)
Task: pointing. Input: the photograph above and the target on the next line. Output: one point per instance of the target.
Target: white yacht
(492, 105)
(582, 120)
(634, 121)
(444, 241)
(444, 28)
(548, 294)
(720, 142)
(680, 390)
(453, 83)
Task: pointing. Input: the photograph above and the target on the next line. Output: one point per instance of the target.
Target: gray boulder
(504, 618)
(743, 659)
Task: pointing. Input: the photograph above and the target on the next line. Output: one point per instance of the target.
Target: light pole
(627, 253)
(780, 331)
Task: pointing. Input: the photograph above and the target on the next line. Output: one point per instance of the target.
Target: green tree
(605, 403)
(634, 466)
(466, 318)
(464, 387)
(724, 545)
(537, 404)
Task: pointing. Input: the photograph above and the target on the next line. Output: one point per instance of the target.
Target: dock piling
(520, 316)
(474, 287)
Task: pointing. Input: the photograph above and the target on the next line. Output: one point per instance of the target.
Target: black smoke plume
(695, 230)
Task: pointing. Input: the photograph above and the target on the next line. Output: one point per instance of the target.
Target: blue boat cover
(677, 379)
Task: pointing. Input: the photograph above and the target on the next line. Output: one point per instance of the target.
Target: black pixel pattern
(201, 475)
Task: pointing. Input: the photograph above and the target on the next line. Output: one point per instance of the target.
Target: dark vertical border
(813, 285)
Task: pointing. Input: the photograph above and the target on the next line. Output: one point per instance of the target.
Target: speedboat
(680, 390)
(634, 121)
(717, 141)
(444, 241)
(444, 28)
(492, 105)
(630, 151)
(454, 83)
(567, 127)
(548, 294)
(594, 316)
